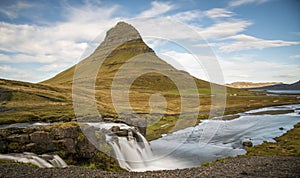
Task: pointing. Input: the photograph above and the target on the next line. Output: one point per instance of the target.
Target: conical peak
(121, 33)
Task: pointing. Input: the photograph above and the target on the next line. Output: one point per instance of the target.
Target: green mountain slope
(26, 102)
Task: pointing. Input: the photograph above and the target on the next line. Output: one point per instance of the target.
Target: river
(213, 139)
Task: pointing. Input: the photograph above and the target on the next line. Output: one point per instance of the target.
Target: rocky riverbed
(275, 166)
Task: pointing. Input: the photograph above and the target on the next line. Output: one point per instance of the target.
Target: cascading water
(42, 161)
(130, 153)
(131, 148)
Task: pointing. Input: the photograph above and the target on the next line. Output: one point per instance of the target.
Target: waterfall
(131, 148)
(42, 161)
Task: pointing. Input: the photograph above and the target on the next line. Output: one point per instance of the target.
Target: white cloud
(218, 13)
(53, 67)
(12, 11)
(243, 2)
(246, 42)
(251, 68)
(297, 56)
(54, 44)
(158, 8)
(16, 73)
(199, 65)
(187, 16)
(224, 29)
(6, 68)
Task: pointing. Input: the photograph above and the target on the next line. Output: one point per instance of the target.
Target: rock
(131, 120)
(65, 132)
(115, 128)
(119, 132)
(281, 128)
(247, 143)
(30, 147)
(23, 138)
(40, 137)
(122, 133)
(67, 144)
(66, 139)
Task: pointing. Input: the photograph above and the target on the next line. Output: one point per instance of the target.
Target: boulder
(122, 133)
(67, 144)
(21, 138)
(40, 137)
(247, 143)
(65, 132)
(115, 128)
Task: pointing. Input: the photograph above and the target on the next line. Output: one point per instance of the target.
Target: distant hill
(247, 85)
(293, 86)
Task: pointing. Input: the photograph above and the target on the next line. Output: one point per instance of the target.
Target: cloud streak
(12, 12)
(224, 29)
(234, 3)
(158, 8)
(217, 13)
(246, 42)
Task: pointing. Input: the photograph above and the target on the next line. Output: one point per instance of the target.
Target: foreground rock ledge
(64, 139)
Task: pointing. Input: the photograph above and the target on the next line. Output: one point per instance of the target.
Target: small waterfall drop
(131, 148)
(42, 161)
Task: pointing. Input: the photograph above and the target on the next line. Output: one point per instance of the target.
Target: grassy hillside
(24, 102)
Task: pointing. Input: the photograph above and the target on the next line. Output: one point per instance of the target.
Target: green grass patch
(285, 145)
(211, 163)
(4, 162)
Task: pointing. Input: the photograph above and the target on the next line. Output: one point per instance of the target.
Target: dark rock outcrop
(65, 139)
(247, 143)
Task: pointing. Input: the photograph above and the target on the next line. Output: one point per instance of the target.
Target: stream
(213, 139)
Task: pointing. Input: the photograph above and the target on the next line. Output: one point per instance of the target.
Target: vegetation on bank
(4, 162)
(285, 145)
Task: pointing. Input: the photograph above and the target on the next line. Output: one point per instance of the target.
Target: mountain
(293, 86)
(250, 84)
(123, 55)
(122, 44)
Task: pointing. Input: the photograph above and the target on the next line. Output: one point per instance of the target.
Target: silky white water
(42, 161)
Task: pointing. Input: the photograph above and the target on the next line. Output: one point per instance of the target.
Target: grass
(211, 163)
(3, 162)
(285, 145)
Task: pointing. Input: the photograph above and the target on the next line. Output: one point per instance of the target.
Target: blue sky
(253, 40)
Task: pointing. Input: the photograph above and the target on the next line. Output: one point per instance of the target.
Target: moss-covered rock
(65, 139)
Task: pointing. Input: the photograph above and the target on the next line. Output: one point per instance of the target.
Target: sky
(252, 40)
